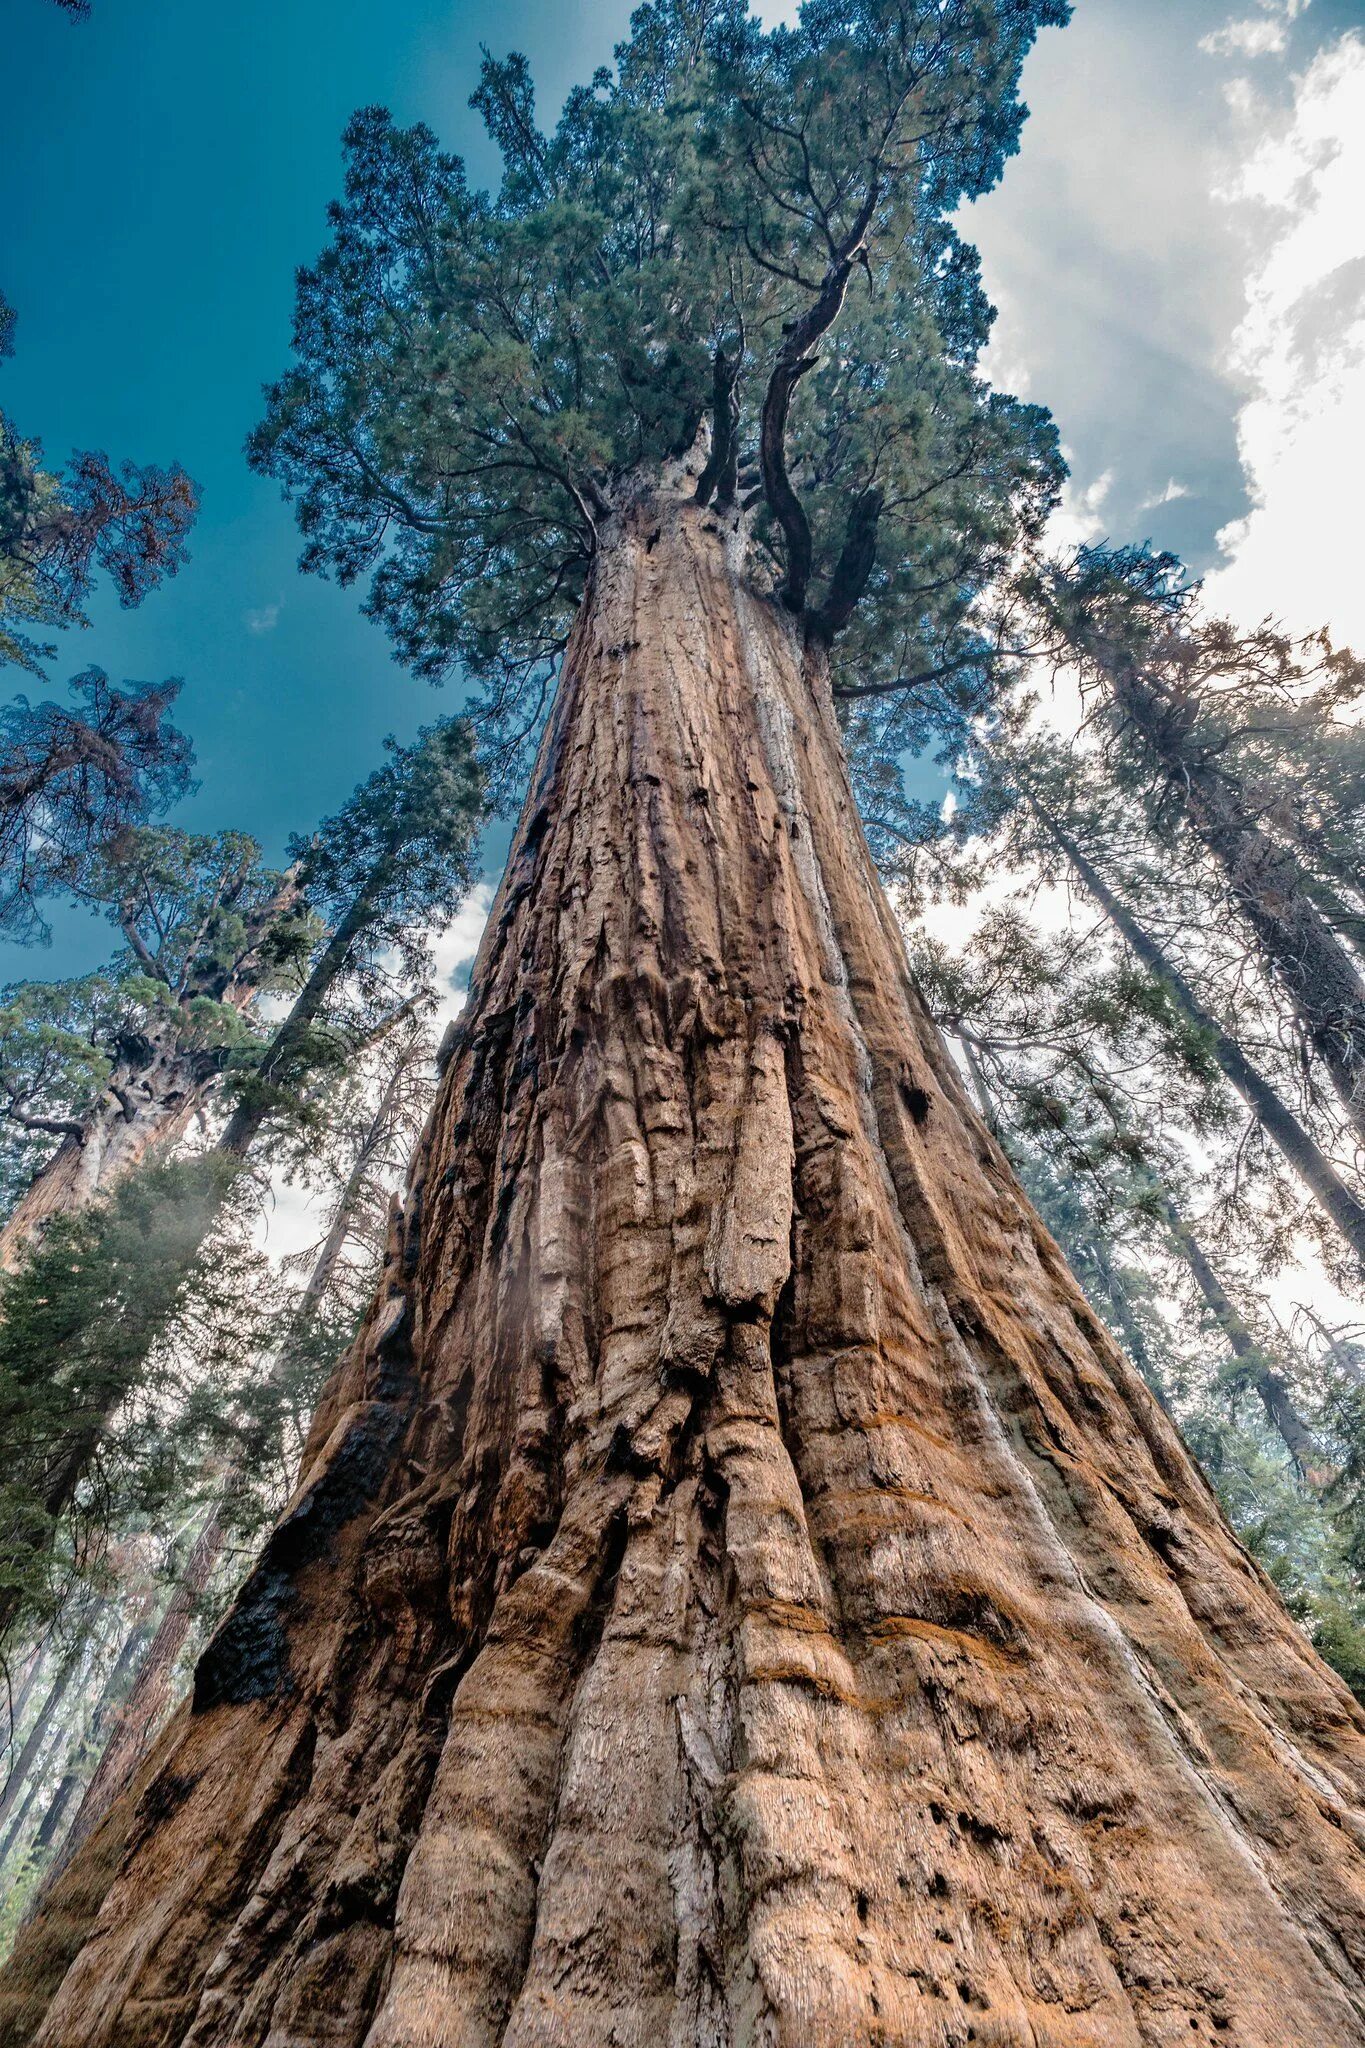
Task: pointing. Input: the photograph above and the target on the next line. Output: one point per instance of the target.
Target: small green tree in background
(61, 530)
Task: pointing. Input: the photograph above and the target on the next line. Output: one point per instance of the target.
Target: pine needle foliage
(729, 226)
(88, 1377)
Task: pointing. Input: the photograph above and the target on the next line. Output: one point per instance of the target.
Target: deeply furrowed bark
(737, 1591)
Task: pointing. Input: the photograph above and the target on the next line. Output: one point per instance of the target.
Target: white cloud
(1080, 516)
(453, 951)
(1263, 38)
(1256, 36)
(776, 13)
(1172, 491)
(1299, 354)
(263, 621)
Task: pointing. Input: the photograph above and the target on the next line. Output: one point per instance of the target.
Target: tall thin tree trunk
(1121, 1317)
(248, 1119)
(14, 1833)
(50, 1734)
(43, 1722)
(1313, 1464)
(1337, 1201)
(104, 1729)
(35, 1665)
(737, 1590)
(1296, 945)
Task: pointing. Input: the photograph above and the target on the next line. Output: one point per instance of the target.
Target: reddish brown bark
(737, 1592)
(150, 1102)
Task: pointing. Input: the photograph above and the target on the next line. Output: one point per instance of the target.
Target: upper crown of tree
(732, 225)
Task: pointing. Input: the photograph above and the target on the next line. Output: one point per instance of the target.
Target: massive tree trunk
(737, 1591)
(156, 1088)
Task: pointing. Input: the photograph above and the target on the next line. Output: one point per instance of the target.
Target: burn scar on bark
(247, 1657)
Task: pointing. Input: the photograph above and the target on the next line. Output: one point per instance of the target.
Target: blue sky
(167, 165)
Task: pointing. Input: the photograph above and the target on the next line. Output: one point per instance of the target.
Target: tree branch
(926, 675)
(721, 474)
(799, 353)
(52, 1126)
(852, 569)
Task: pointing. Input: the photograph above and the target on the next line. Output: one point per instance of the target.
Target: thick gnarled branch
(720, 477)
(800, 352)
(852, 570)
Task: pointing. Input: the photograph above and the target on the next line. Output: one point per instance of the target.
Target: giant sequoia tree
(116, 1067)
(736, 1590)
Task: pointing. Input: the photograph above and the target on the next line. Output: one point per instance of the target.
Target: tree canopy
(731, 225)
(73, 778)
(62, 529)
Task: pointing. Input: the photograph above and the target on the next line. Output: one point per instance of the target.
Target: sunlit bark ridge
(737, 1592)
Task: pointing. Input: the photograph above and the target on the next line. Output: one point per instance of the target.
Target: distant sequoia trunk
(157, 1087)
(737, 1592)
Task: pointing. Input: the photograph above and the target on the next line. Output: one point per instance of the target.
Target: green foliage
(402, 846)
(200, 913)
(387, 870)
(73, 778)
(472, 369)
(61, 530)
(207, 928)
(98, 1329)
(1116, 1115)
(56, 1055)
(1305, 1544)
